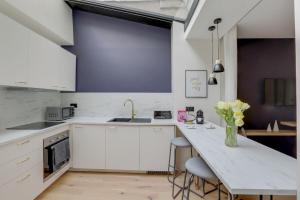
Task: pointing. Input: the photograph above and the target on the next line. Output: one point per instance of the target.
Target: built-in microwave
(59, 113)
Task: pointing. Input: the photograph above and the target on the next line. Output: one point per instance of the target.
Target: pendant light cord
(212, 49)
(218, 41)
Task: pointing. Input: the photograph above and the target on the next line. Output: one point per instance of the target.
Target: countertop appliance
(56, 153)
(199, 117)
(35, 126)
(59, 113)
(162, 115)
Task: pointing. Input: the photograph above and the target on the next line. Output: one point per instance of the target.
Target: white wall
(19, 107)
(192, 55)
(297, 31)
(111, 104)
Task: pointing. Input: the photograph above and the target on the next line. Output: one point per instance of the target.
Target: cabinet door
(154, 147)
(50, 18)
(89, 147)
(14, 40)
(43, 63)
(67, 70)
(122, 148)
(26, 186)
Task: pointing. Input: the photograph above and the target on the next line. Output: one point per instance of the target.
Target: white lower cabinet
(26, 186)
(154, 147)
(88, 147)
(21, 169)
(128, 148)
(122, 148)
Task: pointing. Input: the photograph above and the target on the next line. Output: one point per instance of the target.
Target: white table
(251, 168)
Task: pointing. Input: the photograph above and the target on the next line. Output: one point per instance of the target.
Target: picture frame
(196, 84)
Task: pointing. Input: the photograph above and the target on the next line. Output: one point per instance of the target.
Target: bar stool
(179, 142)
(197, 167)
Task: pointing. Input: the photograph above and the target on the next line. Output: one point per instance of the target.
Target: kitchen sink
(129, 120)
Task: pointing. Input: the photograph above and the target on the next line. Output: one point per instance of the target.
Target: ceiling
(231, 11)
(178, 9)
(269, 19)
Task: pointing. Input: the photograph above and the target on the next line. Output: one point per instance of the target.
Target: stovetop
(35, 126)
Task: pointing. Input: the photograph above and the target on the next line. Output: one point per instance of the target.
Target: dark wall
(116, 55)
(259, 59)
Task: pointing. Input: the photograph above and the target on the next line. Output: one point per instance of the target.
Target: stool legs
(175, 175)
(169, 165)
(190, 182)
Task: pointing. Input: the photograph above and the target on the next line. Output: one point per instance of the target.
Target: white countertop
(9, 136)
(251, 168)
(104, 121)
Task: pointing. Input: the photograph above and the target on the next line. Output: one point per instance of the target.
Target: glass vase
(231, 136)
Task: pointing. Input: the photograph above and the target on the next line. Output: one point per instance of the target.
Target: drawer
(158, 130)
(26, 186)
(12, 151)
(20, 165)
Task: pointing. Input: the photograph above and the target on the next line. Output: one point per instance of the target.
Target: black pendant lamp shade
(218, 67)
(212, 78)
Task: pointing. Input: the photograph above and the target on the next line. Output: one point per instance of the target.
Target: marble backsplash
(21, 106)
(112, 104)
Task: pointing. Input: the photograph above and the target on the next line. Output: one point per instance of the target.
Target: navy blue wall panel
(116, 55)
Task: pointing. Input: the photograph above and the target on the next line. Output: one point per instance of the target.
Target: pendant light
(212, 78)
(218, 67)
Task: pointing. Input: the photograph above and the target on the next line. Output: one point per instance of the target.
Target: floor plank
(115, 186)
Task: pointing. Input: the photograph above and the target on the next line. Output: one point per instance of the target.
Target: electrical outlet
(189, 108)
(73, 105)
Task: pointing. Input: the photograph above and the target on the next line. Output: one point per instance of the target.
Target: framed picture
(196, 83)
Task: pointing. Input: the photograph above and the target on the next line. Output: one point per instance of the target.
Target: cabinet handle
(21, 82)
(112, 127)
(24, 142)
(23, 161)
(157, 129)
(24, 178)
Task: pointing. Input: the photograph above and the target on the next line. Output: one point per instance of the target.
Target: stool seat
(180, 142)
(198, 167)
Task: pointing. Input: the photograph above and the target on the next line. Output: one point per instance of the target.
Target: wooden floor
(114, 186)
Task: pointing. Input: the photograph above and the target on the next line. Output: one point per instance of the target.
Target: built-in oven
(56, 153)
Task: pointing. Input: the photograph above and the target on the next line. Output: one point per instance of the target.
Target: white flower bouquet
(233, 114)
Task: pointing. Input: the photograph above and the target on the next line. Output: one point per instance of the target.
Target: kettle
(199, 117)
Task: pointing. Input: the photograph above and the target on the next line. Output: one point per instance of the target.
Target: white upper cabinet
(42, 63)
(67, 71)
(50, 18)
(14, 40)
(27, 59)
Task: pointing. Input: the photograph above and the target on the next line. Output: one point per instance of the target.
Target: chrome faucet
(132, 107)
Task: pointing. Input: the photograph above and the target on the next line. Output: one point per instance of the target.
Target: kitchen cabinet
(21, 169)
(51, 18)
(89, 147)
(14, 40)
(132, 148)
(122, 148)
(67, 71)
(30, 60)
(154, 147)
(50, 66)
(26, 186)
(43, 63)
